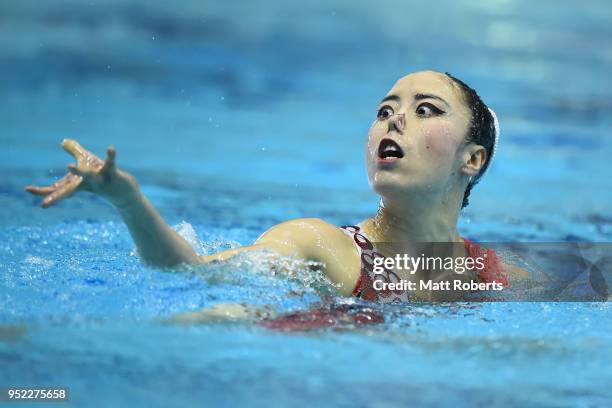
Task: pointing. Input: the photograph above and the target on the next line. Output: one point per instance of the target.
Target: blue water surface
(235, 117)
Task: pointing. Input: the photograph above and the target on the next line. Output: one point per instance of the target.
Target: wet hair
(481, 131)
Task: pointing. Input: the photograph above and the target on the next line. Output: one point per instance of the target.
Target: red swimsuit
(492, 272)
(348, 316)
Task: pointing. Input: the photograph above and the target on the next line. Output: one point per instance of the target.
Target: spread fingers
(63, 192)
(44, 190)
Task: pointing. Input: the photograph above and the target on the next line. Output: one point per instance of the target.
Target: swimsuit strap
(365, 248)
(364, 288)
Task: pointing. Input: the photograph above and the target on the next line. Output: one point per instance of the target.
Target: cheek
(371, 148)
(439, 141)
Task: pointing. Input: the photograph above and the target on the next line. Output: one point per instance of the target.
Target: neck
(414, 222)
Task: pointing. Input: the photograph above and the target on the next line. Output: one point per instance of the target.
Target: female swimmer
(430, 143)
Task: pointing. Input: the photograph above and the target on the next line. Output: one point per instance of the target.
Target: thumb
(109, 163)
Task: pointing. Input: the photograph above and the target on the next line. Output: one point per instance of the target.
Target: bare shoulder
(303, 238)
(303, 230)
(317, 240)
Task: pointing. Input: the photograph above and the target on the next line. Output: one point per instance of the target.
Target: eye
(427, 109)
(384, 112)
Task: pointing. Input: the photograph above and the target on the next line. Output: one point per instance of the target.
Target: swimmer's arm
(160, 246)
(221, 313)
(157, 243)
(308, 239)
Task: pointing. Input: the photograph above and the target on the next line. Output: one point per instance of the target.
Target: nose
(397, 123)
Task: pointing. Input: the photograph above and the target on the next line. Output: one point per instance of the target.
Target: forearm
(158, 244)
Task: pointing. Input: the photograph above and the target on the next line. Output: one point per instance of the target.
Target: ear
(474, 158)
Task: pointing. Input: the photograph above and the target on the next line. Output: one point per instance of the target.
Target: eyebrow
(391, 98)
(420, 96)
(417, 97)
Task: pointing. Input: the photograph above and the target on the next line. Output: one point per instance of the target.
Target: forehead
(428, 82)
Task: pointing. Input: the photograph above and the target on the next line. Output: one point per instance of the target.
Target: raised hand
(157, 243)
(90, 174)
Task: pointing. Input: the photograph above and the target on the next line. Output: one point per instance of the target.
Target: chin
(391, 185)
(396, 185)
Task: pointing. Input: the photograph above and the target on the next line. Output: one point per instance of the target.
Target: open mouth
(389, 151)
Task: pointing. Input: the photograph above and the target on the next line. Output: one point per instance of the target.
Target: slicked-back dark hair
(481, 131)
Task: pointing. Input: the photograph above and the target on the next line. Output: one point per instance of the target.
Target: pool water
(233, 124)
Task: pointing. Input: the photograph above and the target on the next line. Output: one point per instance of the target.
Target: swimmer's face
(416, 141)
